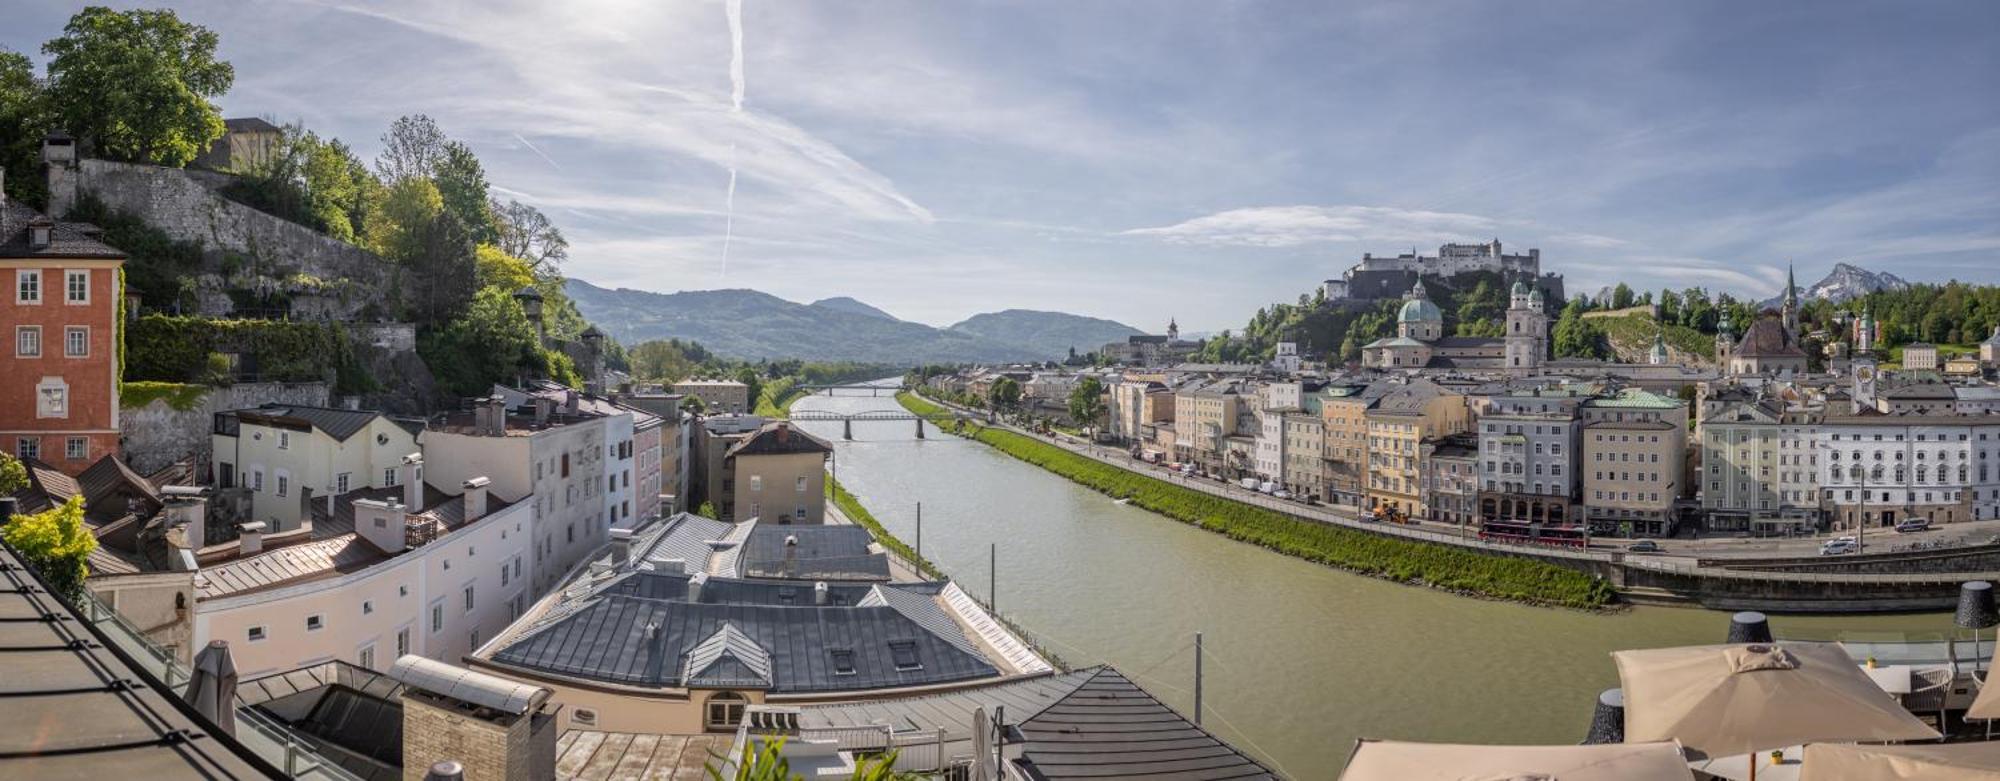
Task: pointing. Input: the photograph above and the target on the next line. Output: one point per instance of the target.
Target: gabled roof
(68, 240)
(728, 659)
(1108, 727)
(337, 423)
(47, 487)
(829, 552)
(778, 437)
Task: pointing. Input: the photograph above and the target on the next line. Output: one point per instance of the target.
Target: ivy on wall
(169, 348)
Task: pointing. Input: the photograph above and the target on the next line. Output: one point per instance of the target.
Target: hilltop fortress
(1377, 278)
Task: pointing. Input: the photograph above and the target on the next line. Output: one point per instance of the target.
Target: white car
(1839, 547)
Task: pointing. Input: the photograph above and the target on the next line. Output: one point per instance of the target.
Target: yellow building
(1344, 425)
(1398, 426)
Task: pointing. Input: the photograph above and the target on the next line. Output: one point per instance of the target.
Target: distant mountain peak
(850, 304)
(1844, 283)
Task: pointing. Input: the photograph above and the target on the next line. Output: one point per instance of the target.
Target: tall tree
(1004, 393)
(1086, 402)
(492, 342)
(412, 149)
(528, 234)
(461, 181)
(136, 85)
(24, 120)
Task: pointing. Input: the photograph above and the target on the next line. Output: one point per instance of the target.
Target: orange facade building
(59, 313)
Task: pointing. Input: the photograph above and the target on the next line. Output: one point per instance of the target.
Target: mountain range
(1845, 282)
(751, 324)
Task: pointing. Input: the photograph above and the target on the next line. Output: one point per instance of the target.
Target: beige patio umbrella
(1848, 762)
(1987, 704)
(1723, 700)
(1393, 760)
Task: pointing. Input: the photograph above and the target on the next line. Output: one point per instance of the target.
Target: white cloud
(1292, 226)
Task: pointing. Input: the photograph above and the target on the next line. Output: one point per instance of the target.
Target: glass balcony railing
(260, 733)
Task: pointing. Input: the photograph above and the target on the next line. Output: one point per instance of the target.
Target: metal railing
(263, 735)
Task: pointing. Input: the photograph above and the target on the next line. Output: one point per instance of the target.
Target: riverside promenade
(1775, 584)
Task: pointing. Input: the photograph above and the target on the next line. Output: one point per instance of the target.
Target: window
(904, 653)
(284, 483)
(315, 623)
(257, 480)
(389, 476)
(284, 440)
(256, 634)
(76, 286)
(77, 448)
(843, 660)
(28, 286)
(28, 447)
(27, 341)
(367, 657)
(340, 482)
(367, 607)
(725, 710)
(76, 341)
(756, 483)
(799, 485)
(402, 641)
(437, 616)
(468, 599)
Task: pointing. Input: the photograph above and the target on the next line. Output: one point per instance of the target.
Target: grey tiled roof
(684, 536)
(834, 552)
(69, 240)
(1108, 727)
(617, 636)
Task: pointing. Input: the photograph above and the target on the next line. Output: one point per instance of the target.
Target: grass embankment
(851, 507)
(775, 400)
(1408, 561)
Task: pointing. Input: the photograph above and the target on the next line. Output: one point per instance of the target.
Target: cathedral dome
(1420, 310)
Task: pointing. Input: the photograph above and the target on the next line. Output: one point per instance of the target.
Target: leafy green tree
(13, 476)
(55, 543)
(24, 120)
(135, 85)
(1004, 393)
(493, 342)
(1086, 402)
(1621, 296)
(461, 183)
(1576, 337)
(707, 509)
(498, 269)
(312, 182)
(752, 381)
(528, 234)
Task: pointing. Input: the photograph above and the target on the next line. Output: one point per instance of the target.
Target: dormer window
(41, 231)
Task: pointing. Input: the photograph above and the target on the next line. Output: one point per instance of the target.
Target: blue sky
(1191, 159)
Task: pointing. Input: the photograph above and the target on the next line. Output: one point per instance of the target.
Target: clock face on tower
(1865, 373)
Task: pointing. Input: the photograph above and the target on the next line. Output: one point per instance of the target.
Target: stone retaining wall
(157, 435)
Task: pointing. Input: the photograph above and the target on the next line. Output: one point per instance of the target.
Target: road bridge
(847, 419)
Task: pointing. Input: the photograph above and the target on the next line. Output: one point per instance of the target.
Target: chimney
(694, 586)
(791, 552)
(186, 506)
(543, 408)
(250, 537)
(482, 419)
(382, 524)
(474, 725)
(475, 498)
(621, 547)
(570, 402)
(496, 415)
(412, 477)
(819, 593)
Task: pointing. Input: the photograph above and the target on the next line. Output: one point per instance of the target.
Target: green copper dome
(1418, 311)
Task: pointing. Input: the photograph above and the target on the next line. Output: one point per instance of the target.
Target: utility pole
(993, 576)
(920, 530)
(1197, 679)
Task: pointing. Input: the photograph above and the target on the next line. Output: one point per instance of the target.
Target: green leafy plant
(13, 476)
(55, 543)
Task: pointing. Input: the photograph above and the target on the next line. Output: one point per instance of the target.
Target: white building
(1882, 469)
(284, 455)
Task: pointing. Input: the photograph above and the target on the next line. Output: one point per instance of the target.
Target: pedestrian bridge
(853, 390)
(847, 419)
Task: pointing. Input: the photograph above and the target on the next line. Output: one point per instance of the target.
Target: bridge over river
(848, 419)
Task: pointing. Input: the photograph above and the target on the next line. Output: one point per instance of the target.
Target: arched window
(724, 711)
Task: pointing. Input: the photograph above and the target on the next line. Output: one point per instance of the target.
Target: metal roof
(728, 659)
(829, 552)
(1108, 727)
(615, 635)
(79, 708)
(487, 691)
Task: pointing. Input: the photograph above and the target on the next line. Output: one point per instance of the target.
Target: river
(1300, 659)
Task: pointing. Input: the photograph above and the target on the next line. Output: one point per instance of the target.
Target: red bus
(1525, 533)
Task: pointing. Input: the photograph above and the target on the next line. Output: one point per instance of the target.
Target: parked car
(1282, 494)
(1839, 547)
(1913, 525)
(1249, 484)
(1644, 546)
(1267, 486)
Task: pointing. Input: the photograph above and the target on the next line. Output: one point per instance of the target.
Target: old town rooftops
(334, 422)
